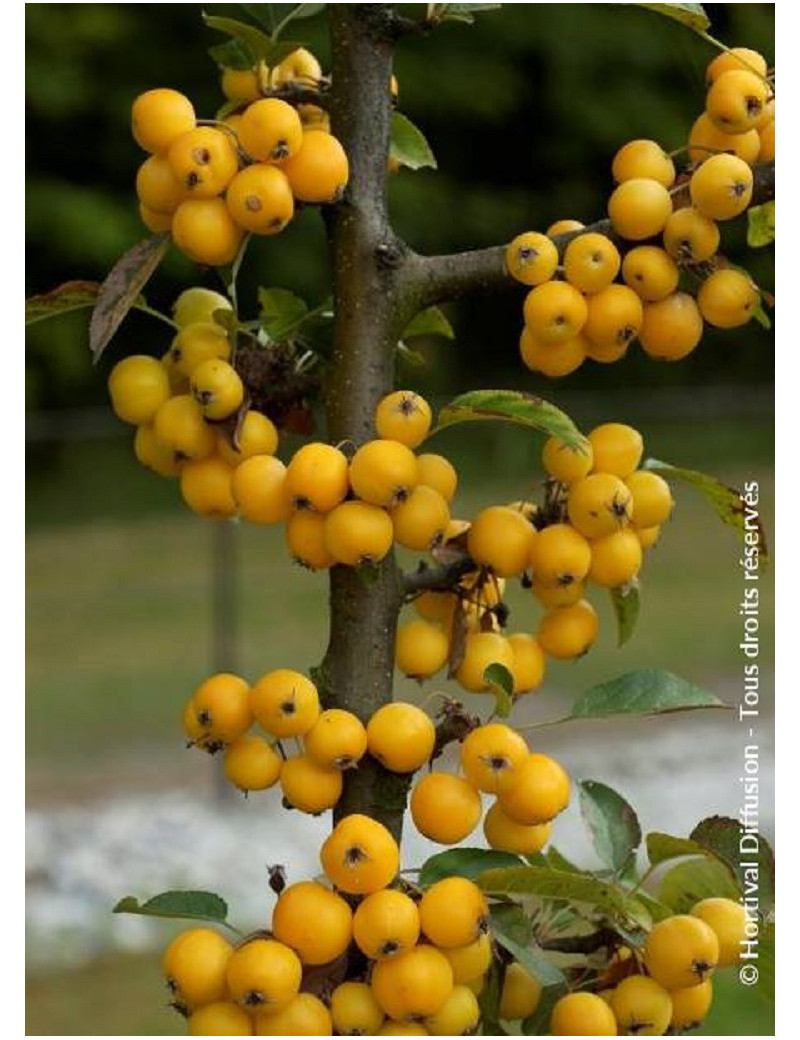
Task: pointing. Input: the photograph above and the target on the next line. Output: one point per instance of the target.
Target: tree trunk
(357, 671)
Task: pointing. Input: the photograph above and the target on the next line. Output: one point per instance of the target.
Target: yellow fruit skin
(251, 764)
(643, 158)
(421, 649)
(309, 787)
(420, 522)
(259, 488)
(437, 472)
(728, 299)
(358, 533)
(195, 965)
(641, 1007)
(616, 558)
(383, 472)
(305, 539)
(453, 912)
(305, 1015)
(691, 1005)
(315, 922)
(722, 187)
(481, 650)
(528, 665)
(672, 327)
(490, 752)
(531, 258)
(403, 416)
(318, 172)
(728, 921)
(354, 1010)
(205, 231)
(564, 463)
(220, 1019)
(470, 962)
(385, 923)
(501, 538)
(413, 984)
(459, 1014)
(568, 632)
(401, 736)
(681, 951)
(360, 856)
(652, 499)
(316, 477)
(160, 116)
(582, 1014)
(521, 993)
(338, 739)
(270, 130)
(536, 791)
(138, 386)
(506, 835)
(259, 199)
(285, 703)
(445, 808)
(639, 208)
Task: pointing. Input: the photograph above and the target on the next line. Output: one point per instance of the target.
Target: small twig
(441, 579)
(604, 938)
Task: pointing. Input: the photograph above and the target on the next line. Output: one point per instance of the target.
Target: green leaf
(747, 855)
(612, 822)
(489, 1000)
(601, 896)
(279, 311)
(468, 863)
(513, 406)
(761, 225)
(198, 906)
(691, 15)
(501, 685)
(408, 144)
(695, 879)
(559, 861)
(625, 601)
(262, 46)
(538, 1024)
(761, 316)
(70, 296)
(646, 691)
(233, 54)
(298, 12)
(766, 962)
(430, 322)
(412, 358)
(662, 847)
(530, 957)
(511, 920)
(458, 12)
(119, 291)
(657, 910)
(728, 503)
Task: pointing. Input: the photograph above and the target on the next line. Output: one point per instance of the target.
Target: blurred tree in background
(524, 112)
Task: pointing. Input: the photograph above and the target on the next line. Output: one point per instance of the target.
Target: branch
(436, 279)
(440, 579)
(298, 93)
(602, 939)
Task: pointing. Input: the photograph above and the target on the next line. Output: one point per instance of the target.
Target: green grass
(119, 603)
(124, 995)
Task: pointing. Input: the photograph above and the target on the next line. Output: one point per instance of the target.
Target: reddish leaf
(119, 291)
(70, 296)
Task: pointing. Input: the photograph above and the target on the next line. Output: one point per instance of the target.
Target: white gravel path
(82, 858)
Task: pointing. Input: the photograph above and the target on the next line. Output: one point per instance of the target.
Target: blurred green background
(524, 111)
